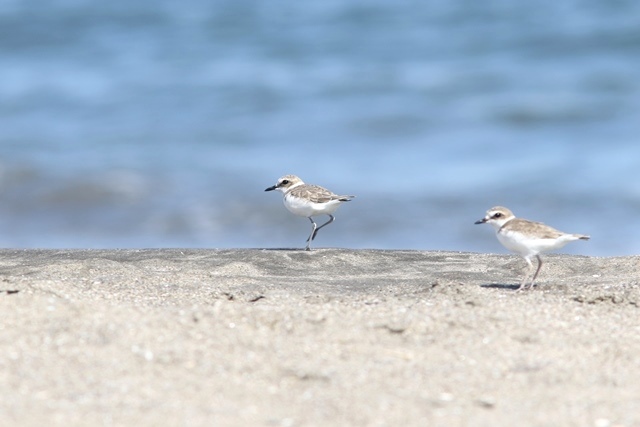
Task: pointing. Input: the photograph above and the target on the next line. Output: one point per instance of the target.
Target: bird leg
(523, 284)
(315, 230)
(537, 271)
(312, 235)
(331, 219)
(526, 276)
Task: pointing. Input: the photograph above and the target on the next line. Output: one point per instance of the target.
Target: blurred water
(160, 123)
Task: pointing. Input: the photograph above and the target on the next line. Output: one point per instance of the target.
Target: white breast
(527, 245)
(307, 208)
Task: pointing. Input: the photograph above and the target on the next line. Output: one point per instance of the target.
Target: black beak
(481, 221)
(273, 187)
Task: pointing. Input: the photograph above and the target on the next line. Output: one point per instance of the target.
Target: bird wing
(315, 193)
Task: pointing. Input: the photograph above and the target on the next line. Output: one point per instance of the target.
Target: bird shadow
(500, 286)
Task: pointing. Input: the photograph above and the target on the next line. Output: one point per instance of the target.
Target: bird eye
(497, 214)
(284, 181)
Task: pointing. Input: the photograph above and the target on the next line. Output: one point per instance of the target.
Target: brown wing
(315, 193)
(540, 229)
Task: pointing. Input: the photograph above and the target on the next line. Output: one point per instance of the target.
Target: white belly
(528, 245)
(304, 207)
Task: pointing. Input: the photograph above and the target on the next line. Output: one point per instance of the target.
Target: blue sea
(159, 123)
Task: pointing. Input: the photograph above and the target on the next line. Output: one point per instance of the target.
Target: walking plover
(308, 200)
(526, 238)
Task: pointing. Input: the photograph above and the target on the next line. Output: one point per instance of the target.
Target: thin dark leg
(331, 219)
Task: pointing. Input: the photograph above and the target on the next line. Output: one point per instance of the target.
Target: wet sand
(330, 337)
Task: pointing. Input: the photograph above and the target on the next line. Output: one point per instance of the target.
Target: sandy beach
(330, 337)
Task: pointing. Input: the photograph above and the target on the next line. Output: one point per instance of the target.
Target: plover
(526, 238)
(308, 200)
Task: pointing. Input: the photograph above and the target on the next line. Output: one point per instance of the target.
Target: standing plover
(525, 237)
(308, 201)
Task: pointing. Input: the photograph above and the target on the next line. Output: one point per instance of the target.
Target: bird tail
(345, 198)
(581, 236)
